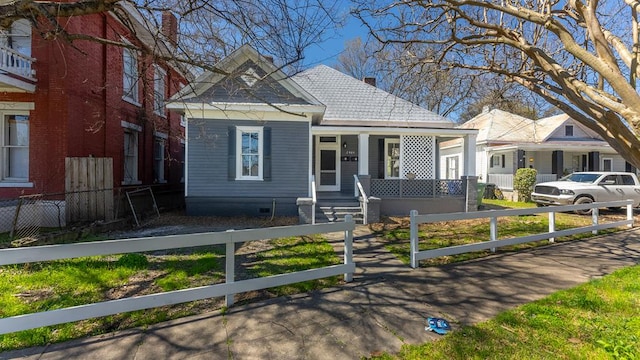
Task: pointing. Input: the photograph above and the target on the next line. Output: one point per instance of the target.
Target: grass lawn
(29, 288)
(452, 233)
(597, 320)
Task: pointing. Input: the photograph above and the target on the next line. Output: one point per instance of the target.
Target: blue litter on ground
(438, 325)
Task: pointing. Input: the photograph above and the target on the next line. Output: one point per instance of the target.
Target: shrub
(523, 183)
(133, 261)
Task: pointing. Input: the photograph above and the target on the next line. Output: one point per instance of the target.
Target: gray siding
(234, 89)
(208, 161)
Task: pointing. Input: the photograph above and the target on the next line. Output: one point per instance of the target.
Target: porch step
(332, 213)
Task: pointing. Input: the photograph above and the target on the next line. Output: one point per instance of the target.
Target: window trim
(133, 129)
(127, 93)
(5, 180)
(494, 160)
(387, 142)
(160, 137)
(566, 132)
(157, 109)
(449, 160)
(250, 129)
(610, 160)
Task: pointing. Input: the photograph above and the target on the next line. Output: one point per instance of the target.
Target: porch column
(557, 166)
(594, 161)
(363, 154)
(469, 155)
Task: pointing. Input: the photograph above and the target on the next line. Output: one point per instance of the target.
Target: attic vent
(249, 77)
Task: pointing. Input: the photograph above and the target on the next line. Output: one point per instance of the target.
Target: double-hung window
(392, 158)
(130, 155)
(158, 157)
(15, 147)
(159, 90)
(249, 150)
(130, 75)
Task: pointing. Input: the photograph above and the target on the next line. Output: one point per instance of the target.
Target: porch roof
(595, 145)
(378, 130)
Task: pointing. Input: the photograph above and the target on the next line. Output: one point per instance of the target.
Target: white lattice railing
(423, 188)
(16, 63)
(505, 181)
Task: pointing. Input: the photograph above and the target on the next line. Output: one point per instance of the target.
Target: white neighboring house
(555, 146)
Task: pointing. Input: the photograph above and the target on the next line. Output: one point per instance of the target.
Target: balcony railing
(16, 63)
(405, 188)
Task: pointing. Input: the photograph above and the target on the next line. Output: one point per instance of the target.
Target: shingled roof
(352, 102)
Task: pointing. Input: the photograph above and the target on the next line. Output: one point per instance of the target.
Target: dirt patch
(175, 223)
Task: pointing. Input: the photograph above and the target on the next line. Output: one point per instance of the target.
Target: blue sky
(327, 52)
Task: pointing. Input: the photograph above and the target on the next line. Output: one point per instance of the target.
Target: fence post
(493, 231)
(230, 266)
(552, 225)
(414, 238)
(594, 219)
(348, 247)
(630, 214)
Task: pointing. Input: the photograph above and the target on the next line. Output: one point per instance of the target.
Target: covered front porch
(397, 168)
(552, 161)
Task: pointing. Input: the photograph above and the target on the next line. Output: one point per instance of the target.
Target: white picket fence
(227, 289)
(493, 215)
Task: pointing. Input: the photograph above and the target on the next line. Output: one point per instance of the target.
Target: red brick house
(87, 99)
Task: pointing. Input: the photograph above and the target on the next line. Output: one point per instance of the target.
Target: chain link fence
(27, 218)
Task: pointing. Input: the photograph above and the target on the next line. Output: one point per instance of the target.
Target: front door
(327, 167)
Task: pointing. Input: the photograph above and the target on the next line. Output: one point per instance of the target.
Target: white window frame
(566, 128)
(249, 129)
(130, 77)
(495, 160)
(159, 90)
(610, 160)
(449, 160)
(135, 130)
(5, 179)
(387, 142)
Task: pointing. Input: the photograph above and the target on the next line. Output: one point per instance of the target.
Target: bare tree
(580, 56)
(208, 29)
(448, 91)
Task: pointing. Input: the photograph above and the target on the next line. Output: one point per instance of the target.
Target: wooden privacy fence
(89, 189)
(493, 216)
(228, 289)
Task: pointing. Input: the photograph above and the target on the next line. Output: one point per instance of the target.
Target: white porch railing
(227, 289)
(418, 188)
(505, 181)
(314, 199)
(16, 63)
(493, 215)
(364, 203)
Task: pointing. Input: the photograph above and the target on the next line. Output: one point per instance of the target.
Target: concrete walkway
(384, 307)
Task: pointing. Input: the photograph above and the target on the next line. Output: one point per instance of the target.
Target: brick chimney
(170, 27)
(370, 80)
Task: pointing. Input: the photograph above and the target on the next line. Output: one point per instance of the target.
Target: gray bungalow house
(259, 142)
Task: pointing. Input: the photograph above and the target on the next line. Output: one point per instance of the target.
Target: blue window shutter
(231, 140)
(266, 170)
